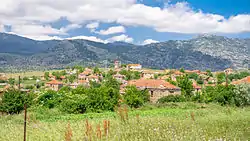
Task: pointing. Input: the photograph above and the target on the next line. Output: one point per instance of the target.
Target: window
(151, 93)
(171, 91)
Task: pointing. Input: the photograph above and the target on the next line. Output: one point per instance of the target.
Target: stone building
(156, 88)
(54, 85)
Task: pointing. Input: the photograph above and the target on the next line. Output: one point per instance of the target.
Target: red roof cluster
(152, 83)
(54, 82)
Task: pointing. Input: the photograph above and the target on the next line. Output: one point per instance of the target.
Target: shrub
(74, 105)
(13, 101)
(242, 95)
(171, 98)
(134, 97)
(50, 99)
(220, 94)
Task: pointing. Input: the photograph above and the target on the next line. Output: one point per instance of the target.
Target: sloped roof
(54, 82)
(152, 83)
(244, 80)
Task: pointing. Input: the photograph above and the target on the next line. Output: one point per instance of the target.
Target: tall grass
(184, 122)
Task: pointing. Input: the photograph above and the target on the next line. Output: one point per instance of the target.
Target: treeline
(224, 95)
(98, 97)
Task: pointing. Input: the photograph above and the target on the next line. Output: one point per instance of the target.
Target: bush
(73, 105)
(242, 95)
(171, 98)
(134, 97)
(13, 101)
(220, 94)
(50, 99)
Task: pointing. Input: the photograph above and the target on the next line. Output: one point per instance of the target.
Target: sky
(132, 21)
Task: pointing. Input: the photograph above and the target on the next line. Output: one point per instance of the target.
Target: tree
(11, 81)
(46, 75)
(156, 76)
(221, 77)
(96, 70)
(220, 94)
(71, 78)
(13, 101)
(193, 76)
(182, 70)
(134, 97)
(209, 73)
(200, 81)
(186, 85)
(242, 95)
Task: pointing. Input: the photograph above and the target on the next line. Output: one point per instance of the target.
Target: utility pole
(25, 121)
(226, 78)
(19, 83)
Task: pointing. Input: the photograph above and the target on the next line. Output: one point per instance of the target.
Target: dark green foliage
(25, 78)
(171, 81)
(3, 81)
(50, 99)
(198, 97)
(182, 70)
(172, 98)
(156, 76)
(75, 104)
(65, 89)
(71, 78)
(221, 77)
(12, 101)
(186, 85)
(11, 81)
(209, 73)
(111, 82)
(129, 75)
(97, 70)
(220, 94)
(194, 76)
(46, 75)
(58, 74)
(30, 87)
(238, 76)
(101, 99)
(200, 81)
(135, 98)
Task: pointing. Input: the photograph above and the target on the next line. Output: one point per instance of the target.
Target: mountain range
(202, 52)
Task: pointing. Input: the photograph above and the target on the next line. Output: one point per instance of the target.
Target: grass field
(186, 121)
(28, 74)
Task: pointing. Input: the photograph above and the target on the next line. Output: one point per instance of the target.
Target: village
(159, 83)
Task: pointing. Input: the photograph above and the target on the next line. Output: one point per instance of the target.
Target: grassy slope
(210, 122)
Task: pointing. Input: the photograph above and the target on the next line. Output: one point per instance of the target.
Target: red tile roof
(151, 83)
(244, 80)
(54, 82)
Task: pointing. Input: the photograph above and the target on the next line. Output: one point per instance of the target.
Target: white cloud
(70, 27)
(177, 17)
(93, 25)
(90, 38)
(2, 28)
(149, 41)
(122, 38)
(113, 30)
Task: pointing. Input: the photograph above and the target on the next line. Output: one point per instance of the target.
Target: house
(157, 88)
(148, 74)
(196, 87)
(54, 85)
(74, 85)
(134, 67)
(92, 78)
(192, 71)
(245, 80)
(228, 71)
(3, 77)
(117, 64)
(119, 77)
(62, 78)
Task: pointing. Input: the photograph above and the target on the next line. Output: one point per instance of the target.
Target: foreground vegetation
(172, 121)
